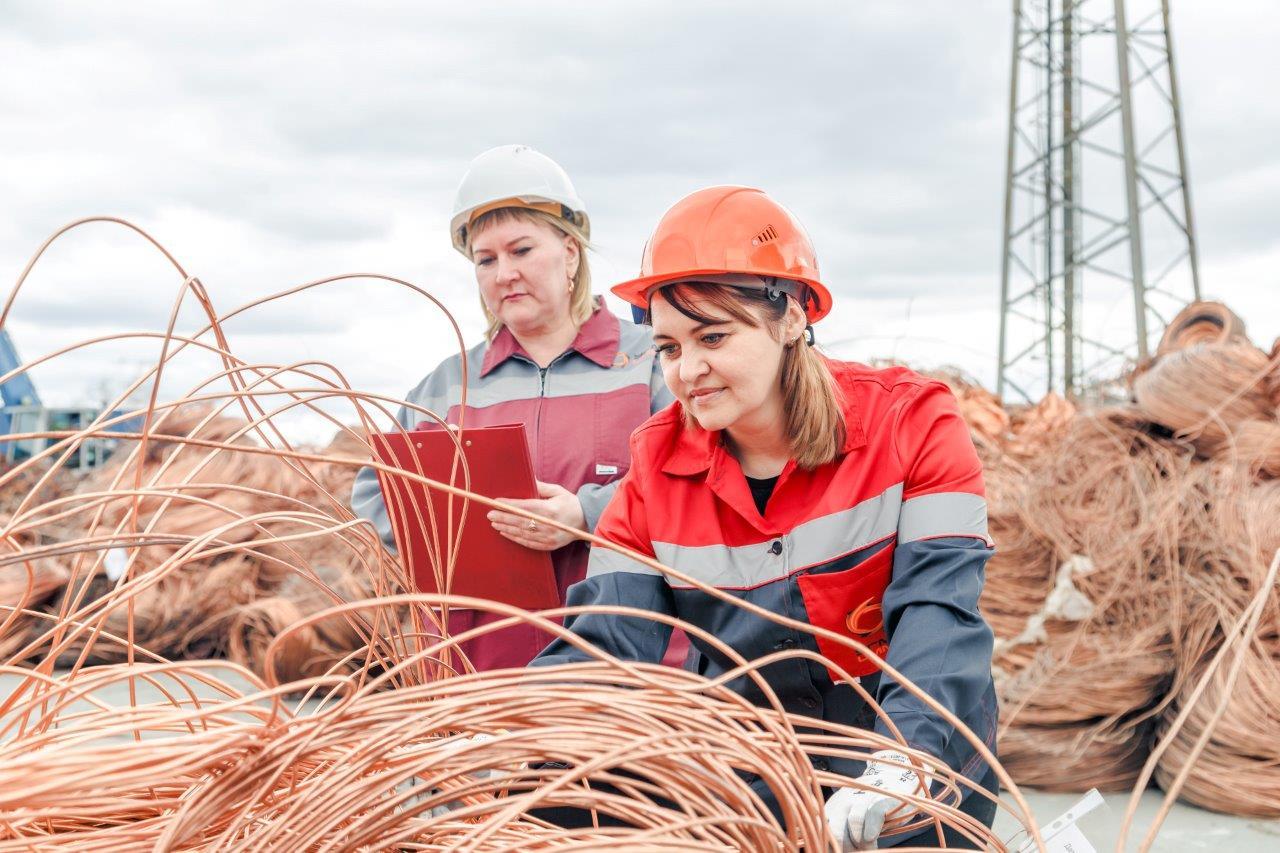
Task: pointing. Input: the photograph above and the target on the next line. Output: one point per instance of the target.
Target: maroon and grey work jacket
(578, 413)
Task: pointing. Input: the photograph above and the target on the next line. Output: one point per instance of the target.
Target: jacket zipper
(537, 417)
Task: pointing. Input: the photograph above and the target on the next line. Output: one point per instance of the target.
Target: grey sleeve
(937, 637)
(659, 395)
(630, 638)
(366, 494)
(614, 578)
(594, 498)
(366, 502)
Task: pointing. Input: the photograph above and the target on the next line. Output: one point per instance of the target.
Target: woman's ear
(793, 323)
(572, 256)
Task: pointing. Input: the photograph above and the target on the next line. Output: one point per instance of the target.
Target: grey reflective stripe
(580, 376)
(518, 380)
(720, 565)
(811, 543)
(494, 389)
(943, 514)
(634, 340)
(603, 562)
(831, 536)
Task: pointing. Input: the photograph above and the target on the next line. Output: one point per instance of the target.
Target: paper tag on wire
(114, 563)
(1062, 835)
(1069, 840)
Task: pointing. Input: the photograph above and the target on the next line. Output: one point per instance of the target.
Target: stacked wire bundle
(263, 568)
(1130, 540)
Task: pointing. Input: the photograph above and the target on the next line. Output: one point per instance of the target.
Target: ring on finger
(533, 525)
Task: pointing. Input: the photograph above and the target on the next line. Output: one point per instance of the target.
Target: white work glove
(448, 745)
(855, 816)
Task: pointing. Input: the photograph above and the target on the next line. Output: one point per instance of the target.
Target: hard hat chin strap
(774, 288)
(781, 288)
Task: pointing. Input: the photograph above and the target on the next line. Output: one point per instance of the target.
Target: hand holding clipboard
(446, 542)
(554, 502)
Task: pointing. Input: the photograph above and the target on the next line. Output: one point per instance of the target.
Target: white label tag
(1063, 836)
(1070, 840)
(602, 470)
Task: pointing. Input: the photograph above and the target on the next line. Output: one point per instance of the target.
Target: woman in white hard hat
(553, 357)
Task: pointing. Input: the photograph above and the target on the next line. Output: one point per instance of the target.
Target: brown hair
(580, 303)
(814, 421)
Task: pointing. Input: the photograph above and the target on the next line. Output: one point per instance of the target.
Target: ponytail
(814, 417)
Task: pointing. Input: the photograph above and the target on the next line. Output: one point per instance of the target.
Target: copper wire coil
(210, 533)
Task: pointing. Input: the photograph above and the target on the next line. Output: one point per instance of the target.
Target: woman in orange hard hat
(824, 491)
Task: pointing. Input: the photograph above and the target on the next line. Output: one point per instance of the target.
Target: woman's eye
(523, 250)
(484, 262)
(713, 338)
(666, 350)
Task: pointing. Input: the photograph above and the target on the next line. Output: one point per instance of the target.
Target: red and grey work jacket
(578, 411)
(887, 543)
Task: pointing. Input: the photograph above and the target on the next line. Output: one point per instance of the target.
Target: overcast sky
(270, 144)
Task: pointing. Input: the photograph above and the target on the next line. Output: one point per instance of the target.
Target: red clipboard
(487, 564)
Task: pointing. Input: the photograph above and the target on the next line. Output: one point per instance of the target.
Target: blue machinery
(22, 412)
(18, 391)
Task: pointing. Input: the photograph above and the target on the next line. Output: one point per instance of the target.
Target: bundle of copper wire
(1237, 712)
(1128, 539)
(393, 761)
(179, 488)
(1080, 672)
(209, 499)
(1237, 769)
(1201, 322)
(1207, 392)
(24, 584)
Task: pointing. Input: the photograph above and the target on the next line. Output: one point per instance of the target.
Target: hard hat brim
(636, 292)
(461, 222)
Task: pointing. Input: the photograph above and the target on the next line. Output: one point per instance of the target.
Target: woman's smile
(705, 396)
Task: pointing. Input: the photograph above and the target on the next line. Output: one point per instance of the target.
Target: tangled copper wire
(341, 714)
(1132, 541)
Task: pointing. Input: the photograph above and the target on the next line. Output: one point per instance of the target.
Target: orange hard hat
(729, 230)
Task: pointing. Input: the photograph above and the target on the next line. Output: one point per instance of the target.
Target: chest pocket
(617, 414)
(849, 603)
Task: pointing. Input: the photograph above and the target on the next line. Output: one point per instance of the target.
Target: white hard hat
(514, 176)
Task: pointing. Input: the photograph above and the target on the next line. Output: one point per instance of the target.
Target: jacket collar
(597, 341)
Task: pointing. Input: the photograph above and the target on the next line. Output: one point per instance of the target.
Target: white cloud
(270, 146)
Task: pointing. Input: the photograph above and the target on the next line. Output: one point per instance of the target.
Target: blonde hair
(580, 302)
(813, 417)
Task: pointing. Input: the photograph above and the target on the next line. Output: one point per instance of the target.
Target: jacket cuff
(593, 499)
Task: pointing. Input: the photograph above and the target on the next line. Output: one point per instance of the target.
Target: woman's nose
(508, 270)
(692, 367)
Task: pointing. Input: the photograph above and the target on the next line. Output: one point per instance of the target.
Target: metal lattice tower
(1099, 240)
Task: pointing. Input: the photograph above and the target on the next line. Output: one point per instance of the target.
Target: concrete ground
(1187, 828)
